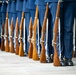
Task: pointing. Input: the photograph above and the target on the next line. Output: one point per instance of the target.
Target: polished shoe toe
(25, 54)
(49, 60)
(75, 54)
(63, 63)
(69, 62)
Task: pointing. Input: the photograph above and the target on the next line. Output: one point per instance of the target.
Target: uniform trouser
(9, 17)
(3, 17)
(32, 14)
(19, 15)
(0, 26)
(75, 37)
(75, 27)
(67, 20)
(52, 15)
(29, 14)
(9, 20)
(0, 23)
(41, 10)
(14, 15)
(27, 19)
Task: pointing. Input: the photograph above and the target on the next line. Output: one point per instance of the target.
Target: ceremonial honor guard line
(38, 32)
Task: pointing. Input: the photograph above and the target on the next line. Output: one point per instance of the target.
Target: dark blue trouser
(3, 17)
(32, 14)
(0, 23)
(75, 26)
(67, 20)
(9, 16)
(52, 15)
(29, 14)
(0, 26)
(41, 10)
(19, 15)
(27, 19)
(3, 20)
(14, 15)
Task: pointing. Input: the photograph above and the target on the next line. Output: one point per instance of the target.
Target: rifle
(35, 53)
(30, 51)
(56, 61)
(16, 38)
(43, 53)
(21, 50)
(11, 37)
(2, 39)
(6, 34)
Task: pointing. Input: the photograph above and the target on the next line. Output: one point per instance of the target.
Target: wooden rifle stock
(21, 50)
(11, 37)
(16, 39)
(35, 53)
(6, 34)
(30, 51)
(43, 53)
(56, 61)
(2, 40)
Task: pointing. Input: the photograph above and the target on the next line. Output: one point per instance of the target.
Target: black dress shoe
(69, 62)
(49, 60)
(52, 56)
(25, 54)
(63, 63)
(75, 54)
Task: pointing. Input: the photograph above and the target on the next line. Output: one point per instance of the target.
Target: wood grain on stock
(2, 40)
(30, 51)
(11, 38)
(56, 61)
(6, 33)
(43, 53)
(35, 53)
(21, 49)
(16, 39)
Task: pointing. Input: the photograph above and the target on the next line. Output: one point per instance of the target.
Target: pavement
(11, 64)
